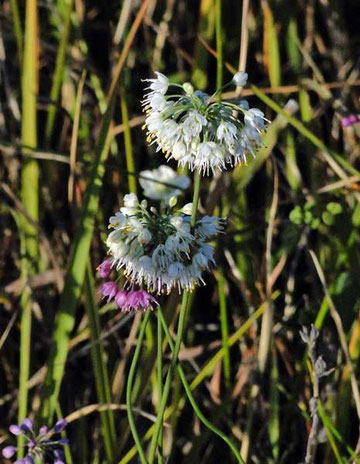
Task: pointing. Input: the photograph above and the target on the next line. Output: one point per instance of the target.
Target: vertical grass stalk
(30, 198)
(17, 28)
(130, 163)
(58, 72)
(159, 384)
(179, 336)
(138, 444)
(220, 277)
(99, 366)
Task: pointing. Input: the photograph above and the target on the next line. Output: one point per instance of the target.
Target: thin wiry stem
(159, 384)
(138, 444)
(179, 336)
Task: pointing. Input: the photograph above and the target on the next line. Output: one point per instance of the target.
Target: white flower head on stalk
(163, 183)
(198, 131)
(160, 252)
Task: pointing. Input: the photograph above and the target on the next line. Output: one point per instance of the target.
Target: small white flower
(119, 220)
(193, 124)
(157, 101)
(227, 132)
(162, 183)
(144, 236)
(209, 156)
(255, 118)
(187, 209)
(160, 84)
(240, 78)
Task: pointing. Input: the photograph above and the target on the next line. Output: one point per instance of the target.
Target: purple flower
(59, 456)
(60, 425)
(64, 441)
(104, 269)
(27, 425)
(349, 120)
(127, 301)
(121, 300)
(43, 430)
(29, 460)
(109, 289)
(140, 300)
(15, 429)
(9, 451)
(43, 442)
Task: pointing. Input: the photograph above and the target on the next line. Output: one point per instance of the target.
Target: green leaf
(296, 215)
(356, 216)
(334, 208)
(328, 218)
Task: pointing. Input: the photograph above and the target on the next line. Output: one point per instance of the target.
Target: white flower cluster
(196, 130)
(160, 252)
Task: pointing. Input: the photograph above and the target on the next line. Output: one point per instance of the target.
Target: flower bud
(189, 89)
(240, 78)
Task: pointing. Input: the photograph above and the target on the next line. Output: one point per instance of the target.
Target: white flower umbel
(198, 131)
(163, 183)
(160, 251)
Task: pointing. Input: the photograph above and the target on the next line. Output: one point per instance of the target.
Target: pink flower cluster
(349, 120)
(125, 300)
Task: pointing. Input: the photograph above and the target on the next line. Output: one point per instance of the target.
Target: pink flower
(127, 301)
(104, 269)
(121, 299)
(349, 120)
(109, 289)
(140, 300)
(9, 451)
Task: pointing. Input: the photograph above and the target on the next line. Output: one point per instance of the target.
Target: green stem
(159, 384)
(191, 397)
(129, 388)
(58, 72)
(224, 326)
(30, 199)
(99, 366)
(197, 180)
(179, 336)
(17, 28)
(219, 68)
(130, 163)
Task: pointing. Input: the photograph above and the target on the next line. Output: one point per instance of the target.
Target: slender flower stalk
(129, 388)
(159, 380)
(178, 340)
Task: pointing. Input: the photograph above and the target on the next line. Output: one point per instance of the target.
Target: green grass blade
(224, 326)
(99, 365)
(271, 47)
(58, 72)
(130, 163)
(17, 28)
(30, 198)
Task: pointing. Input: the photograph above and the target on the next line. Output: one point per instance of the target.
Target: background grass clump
(72, 145)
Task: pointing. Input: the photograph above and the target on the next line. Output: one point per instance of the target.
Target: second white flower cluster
(160, 251)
